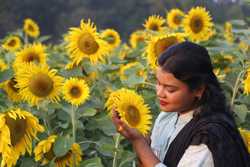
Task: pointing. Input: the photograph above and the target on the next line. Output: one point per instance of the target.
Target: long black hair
(191, 64)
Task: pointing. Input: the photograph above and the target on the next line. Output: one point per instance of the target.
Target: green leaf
(28, 162)
(89, 112)
(93, 162)
(43, 38)
(107, 149)
(106, 125)
(62, 146)
(5, 75)
(241, 111)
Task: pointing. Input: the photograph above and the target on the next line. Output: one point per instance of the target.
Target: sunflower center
(31, 28)
(140, 39)
(87, 44)
(177, 19)
(75, 92)
(154, 27)
(196, 25)
(111, 39)
(17, 129)
(12, 43)
(41, 85)
(32, 57)
(132, 115)
(50, 154)
(162, 44)
(11, 84)
(64, 157)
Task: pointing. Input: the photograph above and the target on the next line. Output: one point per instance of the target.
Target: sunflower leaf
(28, 162)
(241, 111)
(5, 75)
(89, 112)
(93, 162)
(62, 146)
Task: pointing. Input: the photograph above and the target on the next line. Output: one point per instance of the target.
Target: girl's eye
(171, 90)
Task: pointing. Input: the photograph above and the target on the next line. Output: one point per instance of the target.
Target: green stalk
(45, 116)
(117, 143)
(236, 87)
(73, 121)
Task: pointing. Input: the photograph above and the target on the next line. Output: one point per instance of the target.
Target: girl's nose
(160, 91)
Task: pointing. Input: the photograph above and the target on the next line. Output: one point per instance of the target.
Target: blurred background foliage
(56, 16)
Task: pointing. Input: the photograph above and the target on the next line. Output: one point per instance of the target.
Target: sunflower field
(55, 99)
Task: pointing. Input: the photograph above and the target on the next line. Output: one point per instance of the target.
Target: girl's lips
(163, 103)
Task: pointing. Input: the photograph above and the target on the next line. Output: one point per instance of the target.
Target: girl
(195, 127)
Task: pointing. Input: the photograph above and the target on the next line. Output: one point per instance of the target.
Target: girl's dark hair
(191, 64)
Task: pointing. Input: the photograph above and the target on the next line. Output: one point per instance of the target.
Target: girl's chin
(164, 109)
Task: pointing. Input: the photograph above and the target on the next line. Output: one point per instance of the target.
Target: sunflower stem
(45, 116)
(236, 87)
(117, 143)
(73, 121)
(26, 40)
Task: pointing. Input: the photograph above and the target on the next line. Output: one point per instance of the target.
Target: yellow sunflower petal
(75, 91)
(33, 53)
(38, 83)
(198, 24)
(85, 42)
(131, 108)
(47, 154)
(154, 23)
(174, 18)
(14, 142)
(158, 44)
(31, 28)
(112, 37)
(12, 43)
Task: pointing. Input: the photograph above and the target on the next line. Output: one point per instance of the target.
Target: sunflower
(228, 32)
(11, 90)
(17, 130)
(246, 83)
(136, 38)
(154, 23)
(174, 18)
(33, 53)
(198, 24)
(37, 83)
(219, 75)
(124, 51)
(12, 43)
(112, 37)
(75, 91)
(3, 66)
(131, 109)
(140, 72)
(85, 42)
(158, 44)
(44, 153)
(246, 137)
(31, 28)
(244, 46)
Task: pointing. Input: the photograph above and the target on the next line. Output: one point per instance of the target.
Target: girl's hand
(131, 134)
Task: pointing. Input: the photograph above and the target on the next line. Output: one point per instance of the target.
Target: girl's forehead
(168, 78)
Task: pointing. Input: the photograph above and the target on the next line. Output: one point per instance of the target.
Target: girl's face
(173, 94)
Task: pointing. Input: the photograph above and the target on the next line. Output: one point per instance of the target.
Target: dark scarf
(219, 132)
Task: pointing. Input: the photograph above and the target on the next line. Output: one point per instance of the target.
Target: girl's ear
(199, 91)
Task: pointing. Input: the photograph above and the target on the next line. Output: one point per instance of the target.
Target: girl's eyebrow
(167, 85)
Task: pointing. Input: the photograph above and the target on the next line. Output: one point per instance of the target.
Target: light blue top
(166, 127)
